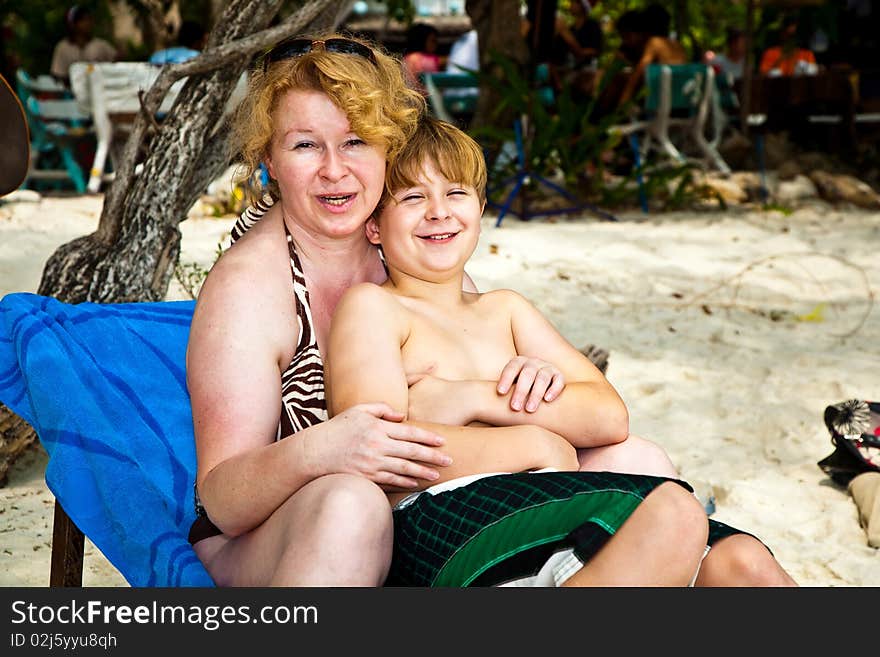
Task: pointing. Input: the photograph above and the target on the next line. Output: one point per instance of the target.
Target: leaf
(817, 314)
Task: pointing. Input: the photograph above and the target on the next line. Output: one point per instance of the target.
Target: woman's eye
(303, 145)
(357, 141)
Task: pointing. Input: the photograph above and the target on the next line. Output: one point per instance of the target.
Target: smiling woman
(322, 115)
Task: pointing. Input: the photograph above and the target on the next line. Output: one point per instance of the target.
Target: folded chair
(104, 387)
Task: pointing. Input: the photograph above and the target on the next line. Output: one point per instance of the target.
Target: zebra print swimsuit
(302, 383)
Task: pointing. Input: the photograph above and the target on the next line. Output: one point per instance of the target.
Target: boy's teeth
(439, 237)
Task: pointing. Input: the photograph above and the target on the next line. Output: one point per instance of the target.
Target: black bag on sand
(855, 434)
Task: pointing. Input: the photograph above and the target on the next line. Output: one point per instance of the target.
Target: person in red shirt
(788, 58)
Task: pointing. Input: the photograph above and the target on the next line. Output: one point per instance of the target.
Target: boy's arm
(366, 366)
(588, 412)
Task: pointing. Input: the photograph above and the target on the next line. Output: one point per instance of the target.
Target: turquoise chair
(682, 97)
(57, 126)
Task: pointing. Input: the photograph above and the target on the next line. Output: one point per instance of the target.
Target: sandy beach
(729, 332)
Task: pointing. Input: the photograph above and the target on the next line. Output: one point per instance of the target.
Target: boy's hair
(453, 152)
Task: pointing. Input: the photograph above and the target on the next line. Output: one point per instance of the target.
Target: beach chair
(110, 92)
(104, 387)
(682, 97)
(57, 127)
(452, 97)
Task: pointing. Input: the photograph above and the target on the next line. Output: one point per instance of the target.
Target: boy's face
(429, 231)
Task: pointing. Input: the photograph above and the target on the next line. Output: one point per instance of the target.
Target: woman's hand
(371, 440)
(533, 381)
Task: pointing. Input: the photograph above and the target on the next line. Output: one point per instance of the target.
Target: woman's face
(330, 179)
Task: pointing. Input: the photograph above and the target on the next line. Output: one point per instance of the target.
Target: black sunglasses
(297, 47)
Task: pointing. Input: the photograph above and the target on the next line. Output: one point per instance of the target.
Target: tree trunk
(131, 256)
(497, 23)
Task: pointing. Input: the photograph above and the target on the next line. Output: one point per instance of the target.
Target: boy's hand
(533, 381)
(432, 399)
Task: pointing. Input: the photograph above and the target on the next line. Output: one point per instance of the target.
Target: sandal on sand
(14, 140)
(855, 433)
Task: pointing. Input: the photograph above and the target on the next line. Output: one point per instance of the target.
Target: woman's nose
(332, 166)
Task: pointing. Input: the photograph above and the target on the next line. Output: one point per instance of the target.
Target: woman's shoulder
(254, 273)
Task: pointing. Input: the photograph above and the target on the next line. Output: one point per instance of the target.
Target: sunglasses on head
(298, 47)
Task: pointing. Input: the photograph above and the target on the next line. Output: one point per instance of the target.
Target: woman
(310, 511)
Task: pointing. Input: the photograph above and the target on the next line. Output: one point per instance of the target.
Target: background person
(730, 63)
(80, 44)
(420, 53)
(787, 57)
(190, 42)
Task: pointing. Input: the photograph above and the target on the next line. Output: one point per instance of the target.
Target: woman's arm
(239, 343)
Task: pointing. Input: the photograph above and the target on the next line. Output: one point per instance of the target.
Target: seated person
(190, 41)
(576, 48)
(435, 351)
(787, 57)
(420, 55)
(730, 62)
(80, 45)
(658, 48)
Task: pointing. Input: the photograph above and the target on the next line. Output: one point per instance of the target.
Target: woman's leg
(741, 560)
(660, 544)
(334, 531)
(634, 455)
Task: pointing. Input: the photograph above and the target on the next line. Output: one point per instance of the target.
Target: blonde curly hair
(381, 107)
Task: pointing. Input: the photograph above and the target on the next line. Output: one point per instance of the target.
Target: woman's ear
(372, 229)
(268, 164)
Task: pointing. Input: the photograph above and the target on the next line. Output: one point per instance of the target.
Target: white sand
(710, 318)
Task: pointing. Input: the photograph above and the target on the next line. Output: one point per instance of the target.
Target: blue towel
(104, 387)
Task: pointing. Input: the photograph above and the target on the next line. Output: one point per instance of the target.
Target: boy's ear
(372, 229)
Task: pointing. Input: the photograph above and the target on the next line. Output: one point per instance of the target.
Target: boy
(466, 529)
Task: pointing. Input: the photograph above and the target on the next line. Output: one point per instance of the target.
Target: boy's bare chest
(474, 345)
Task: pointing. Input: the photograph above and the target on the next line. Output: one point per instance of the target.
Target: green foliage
(33, 27)
(403, 11)
(191, 275)
(564, 142)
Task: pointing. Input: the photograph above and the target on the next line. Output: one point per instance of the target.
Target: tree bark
(131, 256)
(498, 30)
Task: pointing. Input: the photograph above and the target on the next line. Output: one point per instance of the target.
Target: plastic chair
(682, 96)
(57, 126)
(461, 103)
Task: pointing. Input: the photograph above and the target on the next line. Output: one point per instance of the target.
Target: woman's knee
(634, 455)
(350, 506)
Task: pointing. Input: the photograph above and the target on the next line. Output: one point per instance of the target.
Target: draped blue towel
(104, 387)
